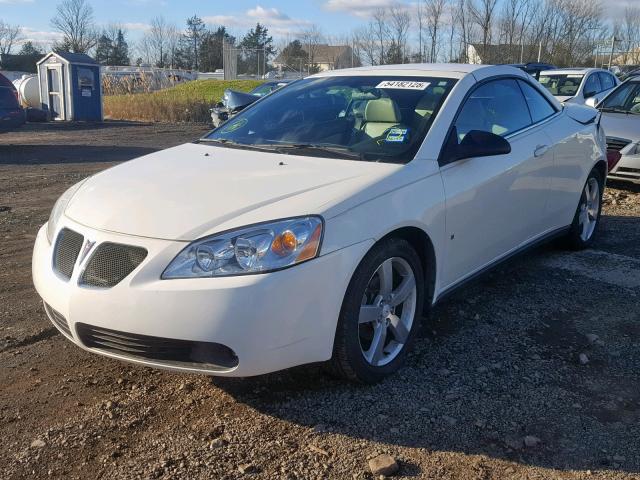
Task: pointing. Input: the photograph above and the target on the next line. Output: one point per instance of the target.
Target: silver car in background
(576, 85)
(621, 122)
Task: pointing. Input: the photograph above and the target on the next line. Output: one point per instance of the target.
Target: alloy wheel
(589, 209)
(387, 311)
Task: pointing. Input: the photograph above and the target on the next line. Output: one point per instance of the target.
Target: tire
(580, 236)
(391, 323)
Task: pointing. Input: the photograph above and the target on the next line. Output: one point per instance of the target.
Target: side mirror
(591, 102)
(477, 143)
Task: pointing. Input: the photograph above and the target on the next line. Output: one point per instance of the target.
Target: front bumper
(628, 168)
(270, 321)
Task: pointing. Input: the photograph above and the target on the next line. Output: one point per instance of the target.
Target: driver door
(495, 204)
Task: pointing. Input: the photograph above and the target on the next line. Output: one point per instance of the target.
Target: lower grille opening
(209, 355)
(58, 320)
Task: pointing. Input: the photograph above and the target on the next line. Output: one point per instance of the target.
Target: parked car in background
(621, 122)
(12, 115)
(533, 68)
(624, 71)
(576, 85)
(321, 222)
(233, 101)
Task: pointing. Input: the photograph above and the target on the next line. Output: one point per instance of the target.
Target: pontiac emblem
(88, 245)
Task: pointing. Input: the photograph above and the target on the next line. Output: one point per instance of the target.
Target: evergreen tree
(103, 50)
(120, 53)
(211, 49)
(294, 55)
(258, 47)
(193, 40)
(28, 48)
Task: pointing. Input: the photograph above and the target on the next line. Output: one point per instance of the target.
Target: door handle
(540, 150)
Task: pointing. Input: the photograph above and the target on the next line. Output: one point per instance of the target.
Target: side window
(497, 106)
(592, 85)
(539, 107)
(606, 81)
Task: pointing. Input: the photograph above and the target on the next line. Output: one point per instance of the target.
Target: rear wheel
(380, 313)
(587, 217)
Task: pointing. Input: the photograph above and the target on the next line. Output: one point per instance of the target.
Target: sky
(283, 18)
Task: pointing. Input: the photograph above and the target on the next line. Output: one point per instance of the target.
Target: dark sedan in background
(12, 115)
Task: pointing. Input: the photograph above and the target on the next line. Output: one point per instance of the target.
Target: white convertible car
(320, 223)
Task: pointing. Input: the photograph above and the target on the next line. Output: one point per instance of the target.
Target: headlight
(256, 249)
(59, 208)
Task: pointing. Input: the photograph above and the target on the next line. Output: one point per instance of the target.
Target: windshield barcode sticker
(403, 84)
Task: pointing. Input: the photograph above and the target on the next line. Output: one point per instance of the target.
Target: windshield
(626, 98)
(375, 118)
(262, 90)
(562, 85)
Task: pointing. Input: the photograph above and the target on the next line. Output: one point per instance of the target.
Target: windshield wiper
(225, 142)
(344, 152)
(614, 110)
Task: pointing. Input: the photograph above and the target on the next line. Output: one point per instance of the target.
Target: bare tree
(435, 9)
(10, 35)
(74, 19)
(380, 29)
(366, 45)
(483, 15)
(311, 39)
(158, 41)
(630, 35)
(399, 22)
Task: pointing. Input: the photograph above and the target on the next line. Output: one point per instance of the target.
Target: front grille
(66, 251)
(110, 264)
(617, 144)
(58, 320)
(212, 356)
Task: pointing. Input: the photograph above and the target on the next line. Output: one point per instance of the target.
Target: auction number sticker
(403, 84)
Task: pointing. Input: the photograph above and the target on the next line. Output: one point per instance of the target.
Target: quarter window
(592, 86)
(606, 81)
(497, 106)
(539, 107)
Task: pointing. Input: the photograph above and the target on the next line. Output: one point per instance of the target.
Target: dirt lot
(496, 363)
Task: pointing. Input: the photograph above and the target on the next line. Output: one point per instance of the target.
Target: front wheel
(379, 314)
(587, 217)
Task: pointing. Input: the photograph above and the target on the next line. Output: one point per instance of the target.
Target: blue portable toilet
(70, 86)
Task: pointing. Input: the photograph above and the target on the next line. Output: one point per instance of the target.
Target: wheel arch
(423, 245)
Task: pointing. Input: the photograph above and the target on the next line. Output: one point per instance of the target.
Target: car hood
(621, 125)
(193, 190)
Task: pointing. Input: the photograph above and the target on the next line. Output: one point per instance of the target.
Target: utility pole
(613, 44)
(539, 51)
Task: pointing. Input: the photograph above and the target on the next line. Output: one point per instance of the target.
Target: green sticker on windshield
(397, 135)
(235, 126)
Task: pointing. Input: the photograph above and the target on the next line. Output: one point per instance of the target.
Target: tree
(211, 49)
(74, 19)
(257, 47)
(28, 48)
(9, 36)
(294, 56)
(434, 10)
(483, 16)
(310, 41)
(400, 21)
(193, 38)
(112, 47)
(159, 45)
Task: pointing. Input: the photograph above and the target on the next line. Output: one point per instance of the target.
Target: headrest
(383, 110)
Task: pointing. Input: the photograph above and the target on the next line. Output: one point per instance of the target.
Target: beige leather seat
(380, 115)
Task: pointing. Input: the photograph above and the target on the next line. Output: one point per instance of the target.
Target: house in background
(324, 57)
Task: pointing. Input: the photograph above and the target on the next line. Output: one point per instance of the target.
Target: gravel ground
(532, 372)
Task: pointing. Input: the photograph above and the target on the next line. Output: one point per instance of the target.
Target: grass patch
(187, 102)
